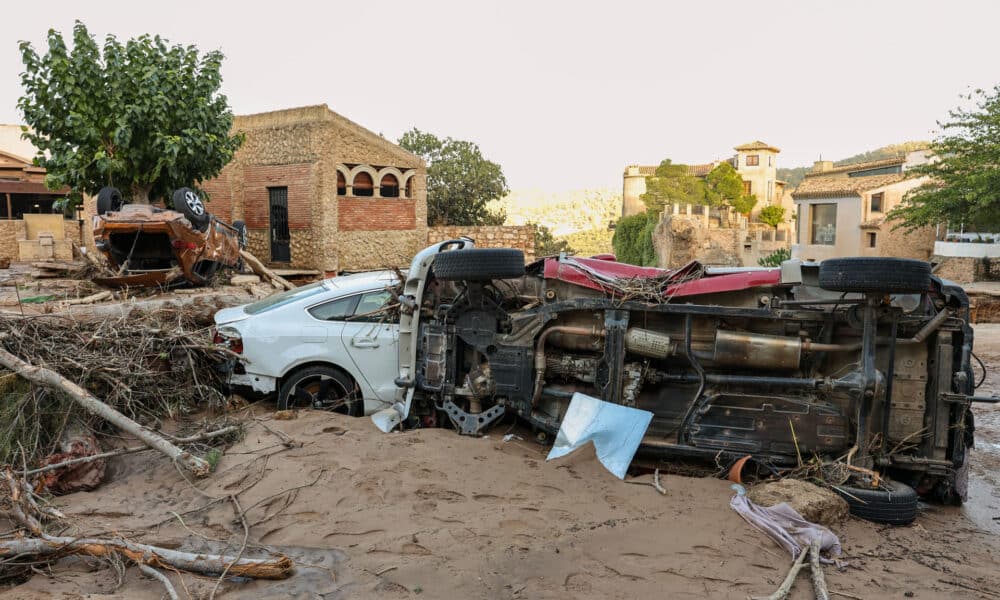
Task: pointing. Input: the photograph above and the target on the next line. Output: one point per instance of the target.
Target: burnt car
(146, 245)
(860, 362)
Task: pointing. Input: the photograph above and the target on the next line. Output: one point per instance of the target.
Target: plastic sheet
(615, 430)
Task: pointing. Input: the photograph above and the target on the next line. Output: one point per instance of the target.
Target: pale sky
(565, 94)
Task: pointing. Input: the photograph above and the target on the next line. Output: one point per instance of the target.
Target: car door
(370, 337)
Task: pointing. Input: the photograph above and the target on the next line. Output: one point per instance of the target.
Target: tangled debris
(146, 365)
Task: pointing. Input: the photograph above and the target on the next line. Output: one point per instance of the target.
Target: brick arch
(396, 174)
(344, 172)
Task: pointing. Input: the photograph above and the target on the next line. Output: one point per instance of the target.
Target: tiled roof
(862, 166)
(825, 185)
(695, 170)
(756, 145)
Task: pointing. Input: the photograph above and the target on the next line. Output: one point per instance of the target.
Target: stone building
(318, 191)
(756, 162)
(28, 228)
(841, 211)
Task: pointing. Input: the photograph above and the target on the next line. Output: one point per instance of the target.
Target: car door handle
(364, 343)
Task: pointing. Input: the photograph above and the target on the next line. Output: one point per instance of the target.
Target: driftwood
(818, 580)
(258, 267)
(82, 397)
(786, 586)
(91, 299)
(148, 570)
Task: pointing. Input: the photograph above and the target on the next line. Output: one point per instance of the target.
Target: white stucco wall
(848, 240)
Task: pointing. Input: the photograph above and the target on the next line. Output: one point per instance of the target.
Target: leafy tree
(723, 185)
(672, 184)
(633, 239)
(772, 215)
(744, 204)
(775, 258)
(143, 116)
(460, 180)
(546, 244)
(965, 175)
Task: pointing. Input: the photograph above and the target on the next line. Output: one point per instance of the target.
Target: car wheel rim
(321, 392)
(194, 203)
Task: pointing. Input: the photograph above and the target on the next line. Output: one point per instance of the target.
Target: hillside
(562, 212)
(795, 175)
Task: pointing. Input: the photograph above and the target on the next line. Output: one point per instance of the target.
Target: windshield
(284, 298)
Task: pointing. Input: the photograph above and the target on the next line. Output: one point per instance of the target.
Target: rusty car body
(148, 246)
(864, 361)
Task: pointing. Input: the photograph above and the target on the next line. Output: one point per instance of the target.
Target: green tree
(723, 185)
(546, 244)
(460, 180)
(744, 204)
(633, 239)
(772, 215)
(775, 258)
(144, 116)
(672, 184)
(965, 174)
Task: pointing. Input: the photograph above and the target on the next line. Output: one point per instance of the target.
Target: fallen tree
(53, 380)
(258, 267)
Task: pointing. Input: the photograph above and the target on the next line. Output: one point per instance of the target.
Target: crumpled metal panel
(615, 430)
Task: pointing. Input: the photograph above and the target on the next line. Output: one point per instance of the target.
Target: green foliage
(592, 241)
(143, 116)
(744, 204)
(546, 244)
(775, 258)
(633, 239)
(965, 176)
(772, 215)
(212, 457)
(672, 184)
(723, 185)
(460, 181)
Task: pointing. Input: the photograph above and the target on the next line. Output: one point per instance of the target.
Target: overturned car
(861, 360)
(147, 246)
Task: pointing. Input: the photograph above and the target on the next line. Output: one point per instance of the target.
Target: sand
(430, 514)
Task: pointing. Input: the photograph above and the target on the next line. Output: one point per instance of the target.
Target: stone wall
(521, 237)
(682, 238)
(10, 232)
(963, 269)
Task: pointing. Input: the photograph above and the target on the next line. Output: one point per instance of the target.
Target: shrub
(775, 258)
(633, 239)
(772, 215)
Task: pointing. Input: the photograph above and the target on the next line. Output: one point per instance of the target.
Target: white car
(327, 345)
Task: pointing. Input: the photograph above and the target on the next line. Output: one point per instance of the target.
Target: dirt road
(429, 514)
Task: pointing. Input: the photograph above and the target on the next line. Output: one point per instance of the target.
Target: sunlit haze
(565, 94)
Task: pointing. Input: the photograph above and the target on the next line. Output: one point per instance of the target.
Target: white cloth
(616, 431)
(784, 525)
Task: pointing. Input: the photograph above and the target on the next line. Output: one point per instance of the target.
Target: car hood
(230, 315)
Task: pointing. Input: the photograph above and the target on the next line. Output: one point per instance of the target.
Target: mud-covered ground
(429, 514)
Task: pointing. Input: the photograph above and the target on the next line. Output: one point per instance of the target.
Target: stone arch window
(341, 184)
(389, 186)
(363, 184)
(407, 186)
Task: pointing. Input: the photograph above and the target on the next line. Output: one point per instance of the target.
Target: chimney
(822, 166)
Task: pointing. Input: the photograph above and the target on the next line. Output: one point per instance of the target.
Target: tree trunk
(53, 380)
(258, 267)
(276, 567)
(140, 193)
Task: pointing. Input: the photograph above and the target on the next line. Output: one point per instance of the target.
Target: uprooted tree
(144, 116)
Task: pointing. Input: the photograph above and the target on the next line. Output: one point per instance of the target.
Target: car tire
(109, 199)
(895, 505)
(479, 264)
(190, 204)
(865, 274)
(241, 233)
(300, 389)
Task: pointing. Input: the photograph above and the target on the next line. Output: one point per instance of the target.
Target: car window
(272, 302)
(335, 310)
(370, 307)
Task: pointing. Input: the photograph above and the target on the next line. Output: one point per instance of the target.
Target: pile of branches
(146, 365)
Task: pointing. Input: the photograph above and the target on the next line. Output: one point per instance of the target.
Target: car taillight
(182, 245)
(233, 342)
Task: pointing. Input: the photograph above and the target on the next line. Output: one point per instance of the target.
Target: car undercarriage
(867, 362)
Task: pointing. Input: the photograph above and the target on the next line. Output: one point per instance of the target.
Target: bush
(546, 244)
(772, 215)
(633, 239)
(775, 258)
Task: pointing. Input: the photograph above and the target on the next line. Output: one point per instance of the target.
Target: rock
(244, 279)
(814, 503)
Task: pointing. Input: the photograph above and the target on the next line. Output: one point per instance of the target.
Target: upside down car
(865, 362)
